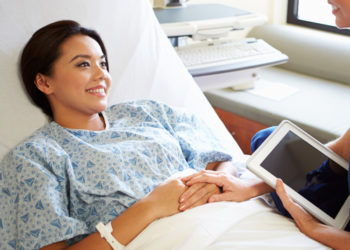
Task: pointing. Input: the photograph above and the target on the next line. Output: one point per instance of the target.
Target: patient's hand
(197, 194)
(165, 197)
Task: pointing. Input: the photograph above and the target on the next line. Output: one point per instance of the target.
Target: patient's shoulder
(37, 143)
(152, 107)
(137, 103)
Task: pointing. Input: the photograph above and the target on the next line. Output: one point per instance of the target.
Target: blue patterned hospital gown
(59, 183)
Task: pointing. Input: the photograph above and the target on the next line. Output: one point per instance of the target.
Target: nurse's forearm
(255, 187)
(341, 146)
(329, 236)
(258, 187)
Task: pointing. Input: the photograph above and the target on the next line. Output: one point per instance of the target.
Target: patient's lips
(335, 9)
(97, 91)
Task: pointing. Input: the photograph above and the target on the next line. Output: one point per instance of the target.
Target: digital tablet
(290, 153)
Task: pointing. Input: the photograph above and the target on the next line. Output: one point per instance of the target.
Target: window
(315, 14)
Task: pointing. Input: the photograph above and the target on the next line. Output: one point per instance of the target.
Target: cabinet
(242, 129)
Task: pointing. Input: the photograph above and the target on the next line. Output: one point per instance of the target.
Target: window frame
(292, 18)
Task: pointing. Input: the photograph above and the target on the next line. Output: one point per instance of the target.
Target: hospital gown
(59, 183)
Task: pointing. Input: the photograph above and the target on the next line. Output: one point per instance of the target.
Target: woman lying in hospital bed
(95, 164)
(90, 164)
(45, 204)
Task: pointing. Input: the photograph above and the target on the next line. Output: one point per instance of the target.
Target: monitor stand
(161, 4)
(176, 3)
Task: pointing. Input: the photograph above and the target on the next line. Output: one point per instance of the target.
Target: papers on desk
(272, 90)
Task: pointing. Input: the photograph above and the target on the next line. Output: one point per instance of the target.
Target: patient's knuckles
(197, 186)
(172, 188)
(213, 188)
(176, 183)
(208, 190)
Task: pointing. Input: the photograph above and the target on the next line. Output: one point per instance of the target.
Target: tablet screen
(292, 159)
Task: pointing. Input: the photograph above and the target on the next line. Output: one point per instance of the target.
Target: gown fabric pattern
(59, 183)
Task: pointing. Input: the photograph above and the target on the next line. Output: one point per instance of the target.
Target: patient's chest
(108, 171)
(128, 160)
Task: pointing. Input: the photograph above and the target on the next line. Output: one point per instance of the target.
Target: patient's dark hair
(41, 52)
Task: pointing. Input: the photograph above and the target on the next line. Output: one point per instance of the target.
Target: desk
(319, 106)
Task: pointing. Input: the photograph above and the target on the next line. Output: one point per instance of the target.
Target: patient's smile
(334, 9)
(97, 91)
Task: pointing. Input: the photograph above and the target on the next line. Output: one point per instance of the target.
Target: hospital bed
(143, 65)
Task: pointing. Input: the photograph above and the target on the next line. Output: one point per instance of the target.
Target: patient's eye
(83, 64)
(104, 64)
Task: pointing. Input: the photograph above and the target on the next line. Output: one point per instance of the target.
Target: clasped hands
(174, 195)
(187, 190)
(212, 186)
(209, 186)
(236, 189)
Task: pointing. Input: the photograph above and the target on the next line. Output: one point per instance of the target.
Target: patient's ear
(43, 84)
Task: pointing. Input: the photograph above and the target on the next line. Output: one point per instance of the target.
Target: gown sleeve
(34, 199)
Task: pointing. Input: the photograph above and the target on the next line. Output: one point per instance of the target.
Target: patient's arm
(161, 202)
(330, 236)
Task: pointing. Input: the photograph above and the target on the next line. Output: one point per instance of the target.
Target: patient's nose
(100, 72)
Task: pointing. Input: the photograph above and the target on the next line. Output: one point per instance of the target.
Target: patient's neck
(95, 122)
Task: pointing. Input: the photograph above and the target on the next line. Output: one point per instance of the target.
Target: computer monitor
(198, 18)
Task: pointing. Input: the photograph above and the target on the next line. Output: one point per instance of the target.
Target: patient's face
(341, 10)
(80, 80)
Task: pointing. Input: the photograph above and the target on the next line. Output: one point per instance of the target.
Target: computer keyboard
(223, 56)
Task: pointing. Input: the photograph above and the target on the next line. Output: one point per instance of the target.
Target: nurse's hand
(327, 235)
(302, 218)
(232, 187)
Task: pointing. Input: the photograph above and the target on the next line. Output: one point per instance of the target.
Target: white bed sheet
(225, 225)
(143, 65)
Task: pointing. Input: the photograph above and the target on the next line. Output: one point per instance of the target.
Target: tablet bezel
(256, 159)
